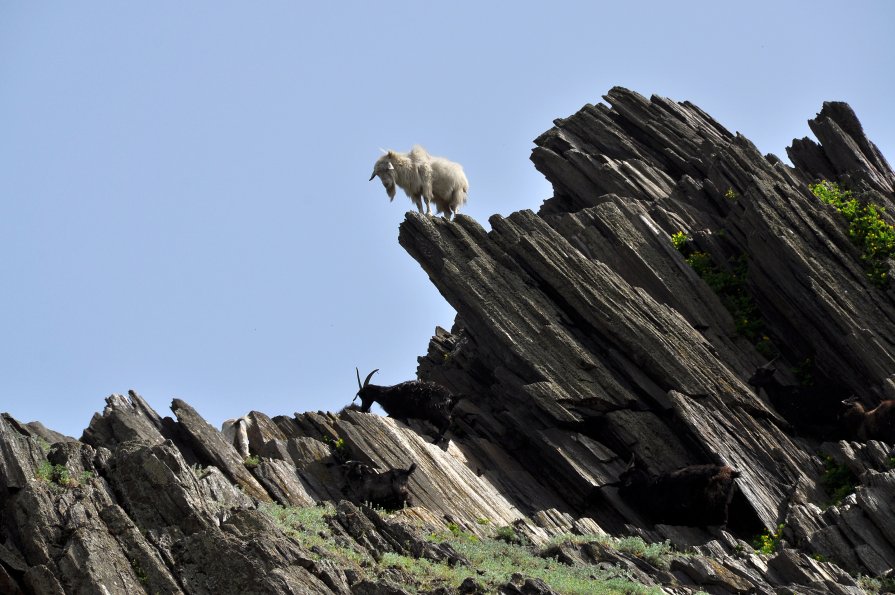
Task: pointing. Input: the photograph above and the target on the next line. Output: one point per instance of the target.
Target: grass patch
(874, 585)
(658, 554)
(492, 561)
(866, 228)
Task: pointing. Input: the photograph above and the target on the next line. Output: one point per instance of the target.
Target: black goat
(809, 410)
(697, 495)
(876, 424)
(387, 489)
(414, 399)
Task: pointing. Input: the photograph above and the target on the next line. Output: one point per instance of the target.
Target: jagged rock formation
(583, 338)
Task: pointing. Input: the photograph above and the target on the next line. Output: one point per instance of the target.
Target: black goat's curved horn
(359, 387)
(367, 380)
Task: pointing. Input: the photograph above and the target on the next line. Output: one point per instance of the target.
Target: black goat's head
(763, 375)
(366, 398)
(633, 475)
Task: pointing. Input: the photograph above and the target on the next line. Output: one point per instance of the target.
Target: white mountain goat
(425, 179)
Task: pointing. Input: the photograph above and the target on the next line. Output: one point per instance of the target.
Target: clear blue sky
(184, 198)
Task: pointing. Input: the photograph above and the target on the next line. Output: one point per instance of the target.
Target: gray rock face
(583, 338)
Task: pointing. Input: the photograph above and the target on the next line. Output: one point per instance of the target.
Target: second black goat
(386, 489)
(697, 495)
(414, 399)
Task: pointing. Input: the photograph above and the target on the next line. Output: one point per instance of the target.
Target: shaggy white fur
(424, 178)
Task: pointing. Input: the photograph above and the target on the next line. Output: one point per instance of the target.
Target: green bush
(679, 240)
(769, 542)
(867, 228)
(59, 475)
(507, 534)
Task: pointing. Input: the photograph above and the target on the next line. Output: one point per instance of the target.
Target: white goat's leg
(418, 201)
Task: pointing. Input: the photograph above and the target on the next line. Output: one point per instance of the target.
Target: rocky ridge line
(582, 338)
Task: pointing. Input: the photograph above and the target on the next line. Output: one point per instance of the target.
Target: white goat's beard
(390, 189)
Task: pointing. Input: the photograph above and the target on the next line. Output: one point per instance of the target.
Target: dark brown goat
(414, 399)
(697, 496)
(876, 424)
(387, 489)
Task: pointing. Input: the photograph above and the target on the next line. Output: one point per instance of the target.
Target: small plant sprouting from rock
(730, 286)
(658, 554)
(58, 475)
(679, 240)
(867, 228)
(43, 444)
(508, 534)
(837, 480)
(874, 585)
(731, 194)
(200, 472)
(769, 541)
(252, 461)
(339, 448)
(139, 572)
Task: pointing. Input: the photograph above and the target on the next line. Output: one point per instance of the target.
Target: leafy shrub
(507, 534)
(59, 475)
(867, 228)
(339, 448)
(769, 542)
(252, 461)
(657, 553)
(679, 240)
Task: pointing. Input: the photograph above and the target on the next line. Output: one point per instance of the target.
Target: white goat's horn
(384, 152)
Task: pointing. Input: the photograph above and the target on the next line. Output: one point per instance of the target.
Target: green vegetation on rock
(493, 561)
(837, 480)
(867, 228)
(729, 284)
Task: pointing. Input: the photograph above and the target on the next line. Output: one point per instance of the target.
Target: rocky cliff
(623, 320)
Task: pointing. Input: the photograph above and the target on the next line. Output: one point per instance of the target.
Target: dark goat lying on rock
(414, 399)
(697, 496)
(387, 489)
(876, 424)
